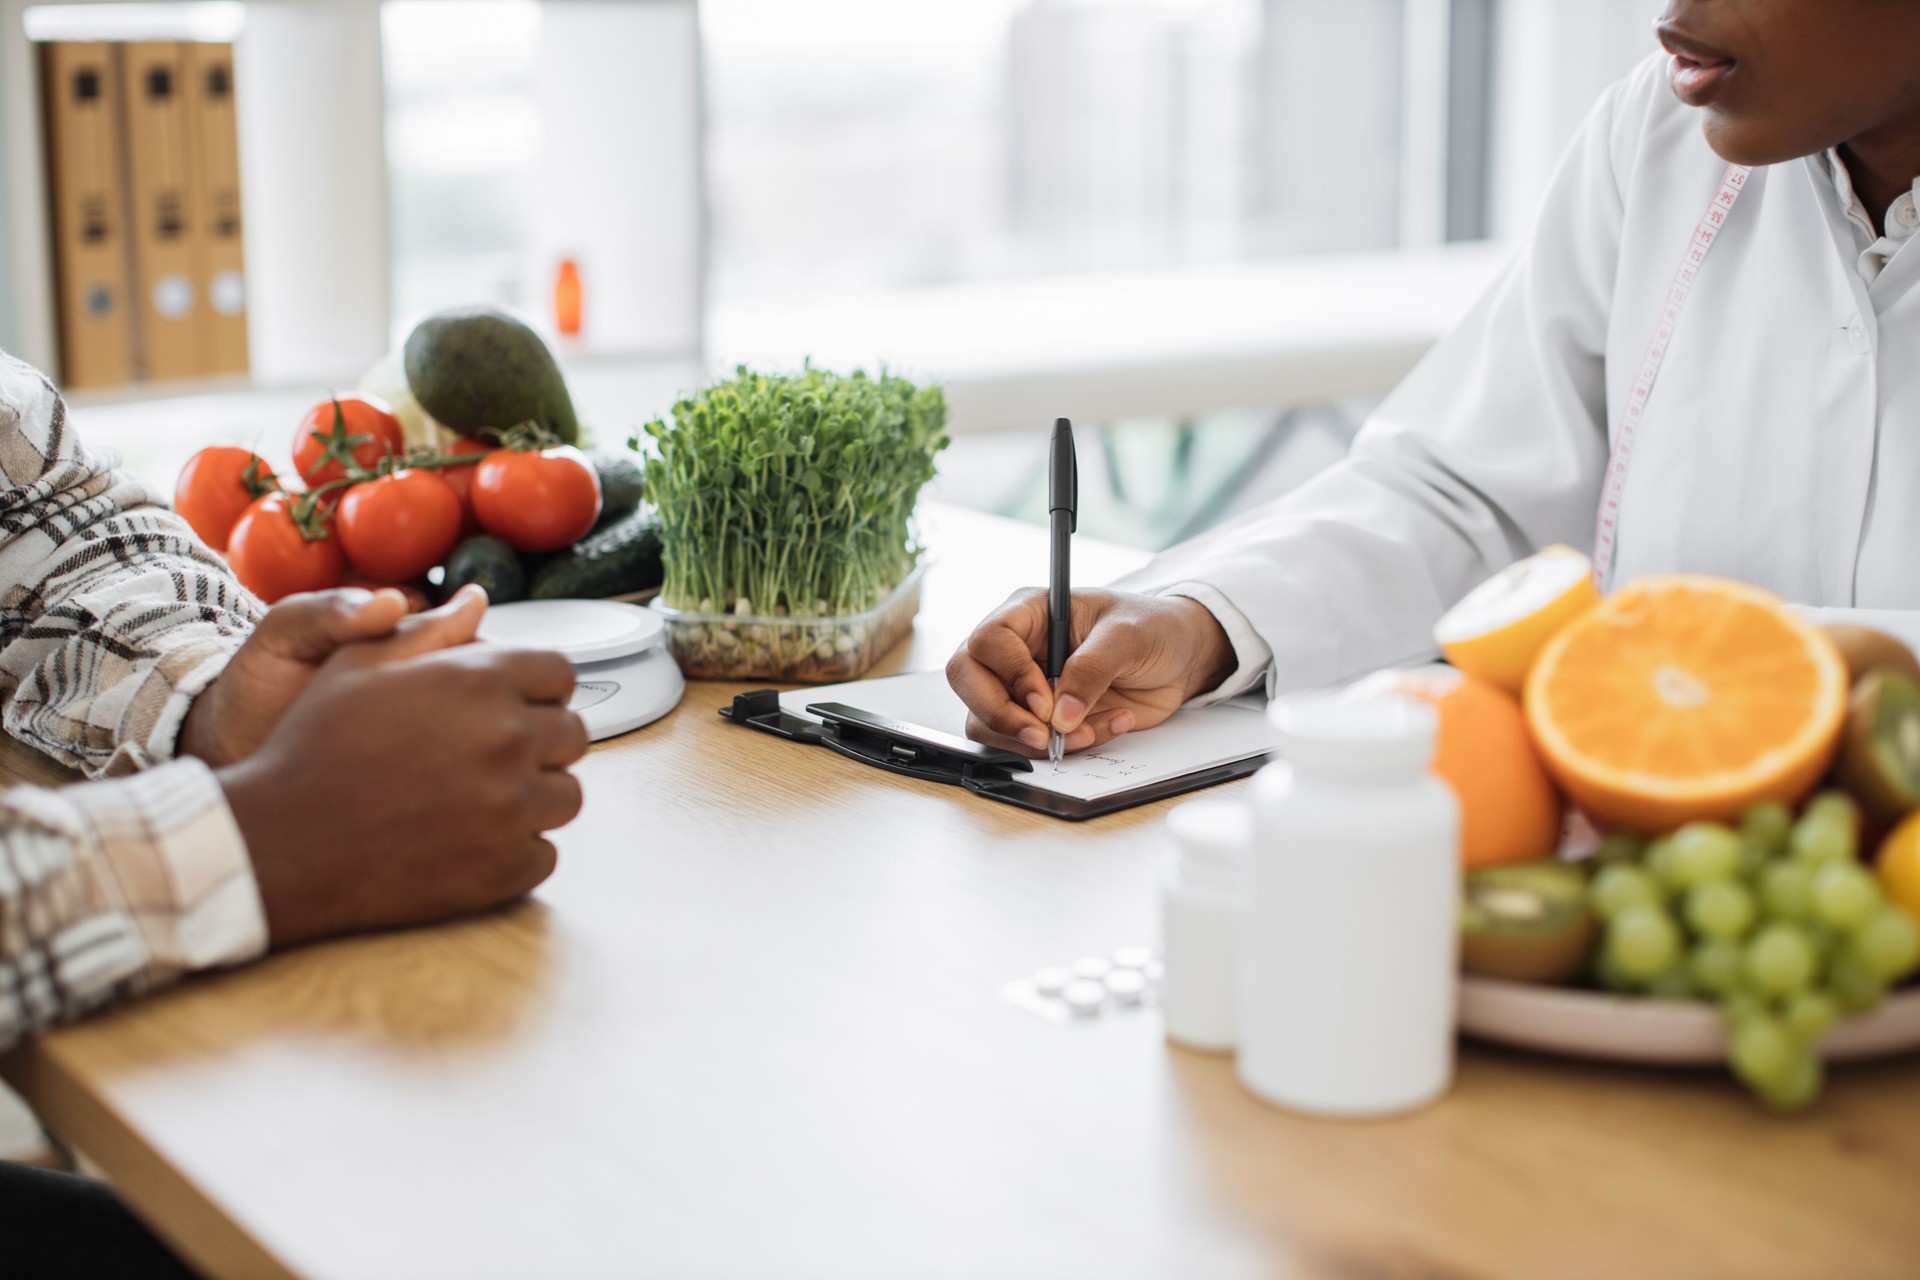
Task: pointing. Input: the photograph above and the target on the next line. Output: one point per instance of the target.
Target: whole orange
(1509, 810)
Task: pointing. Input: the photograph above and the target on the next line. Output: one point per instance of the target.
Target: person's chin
(1738, 138)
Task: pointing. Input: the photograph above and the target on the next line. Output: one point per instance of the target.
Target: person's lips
(1698, 72)
(1697, 83)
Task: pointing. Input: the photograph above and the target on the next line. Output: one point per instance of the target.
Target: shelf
(619, 184)
(1015, 355)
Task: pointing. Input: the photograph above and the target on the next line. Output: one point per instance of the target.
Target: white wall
(620, 173)
(26, 278)
(9, 339)
(1554, 59)
(313, 167)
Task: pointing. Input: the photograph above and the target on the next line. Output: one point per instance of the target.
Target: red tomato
(461, 478)
(399, 526)
(357, 416)
(212, 490)
(537, 501)
(272, 558)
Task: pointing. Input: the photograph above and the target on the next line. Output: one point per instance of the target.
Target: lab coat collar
(1876, 286)
(1875, 250)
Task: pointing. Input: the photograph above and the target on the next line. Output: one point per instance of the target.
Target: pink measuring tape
(1606, 533)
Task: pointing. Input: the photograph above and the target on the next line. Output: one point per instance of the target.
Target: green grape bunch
(1776, 922)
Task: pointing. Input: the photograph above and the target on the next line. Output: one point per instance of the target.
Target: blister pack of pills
(1090, 988)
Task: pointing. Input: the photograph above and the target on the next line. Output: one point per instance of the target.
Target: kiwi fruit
(1879, 763)
(1867, 650)
(1527, 922)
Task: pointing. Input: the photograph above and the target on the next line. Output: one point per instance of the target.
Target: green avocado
(478, 369)
(621, 483)
(619, 560)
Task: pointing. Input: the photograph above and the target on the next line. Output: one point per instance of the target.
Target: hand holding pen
(1127, 662)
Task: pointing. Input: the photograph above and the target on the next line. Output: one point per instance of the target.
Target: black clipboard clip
(916, 751)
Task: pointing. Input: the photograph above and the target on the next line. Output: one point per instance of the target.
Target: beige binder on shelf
(88, 208)
(166, 323)
(214, 209)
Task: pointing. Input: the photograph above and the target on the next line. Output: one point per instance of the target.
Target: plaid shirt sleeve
(113, 618)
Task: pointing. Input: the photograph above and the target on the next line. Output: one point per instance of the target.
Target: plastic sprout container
(783, 648)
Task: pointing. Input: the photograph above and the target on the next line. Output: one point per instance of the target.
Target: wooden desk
(751, 1029)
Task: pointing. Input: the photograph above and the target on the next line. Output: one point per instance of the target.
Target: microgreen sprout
(790, 497)
(793, 493)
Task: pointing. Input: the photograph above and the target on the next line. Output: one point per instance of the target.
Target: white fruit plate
(1593, 1024)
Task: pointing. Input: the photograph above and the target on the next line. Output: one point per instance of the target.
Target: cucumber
(490, 562)
(621, 482)
(620, 559)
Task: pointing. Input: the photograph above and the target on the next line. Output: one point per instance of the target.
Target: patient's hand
(404, 787)
(1135, 660)
(230, 720)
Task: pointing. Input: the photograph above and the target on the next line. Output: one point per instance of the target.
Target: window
(875, 145)
(867, 144)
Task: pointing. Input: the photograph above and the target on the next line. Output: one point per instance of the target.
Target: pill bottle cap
(1378, 737)
(1211, 839)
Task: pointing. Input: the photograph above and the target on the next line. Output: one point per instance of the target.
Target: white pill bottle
(1200, 889)
(1349, 928)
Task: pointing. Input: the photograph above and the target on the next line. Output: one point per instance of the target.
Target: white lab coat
(1781, 443)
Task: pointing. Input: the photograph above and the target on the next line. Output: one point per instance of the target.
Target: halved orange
(1501, 626)
(1686, 697)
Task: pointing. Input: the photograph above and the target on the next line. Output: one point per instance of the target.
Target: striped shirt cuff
(156, 703)
(1254, 659)
(171, 859)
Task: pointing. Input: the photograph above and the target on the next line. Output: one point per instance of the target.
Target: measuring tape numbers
(1606, 533)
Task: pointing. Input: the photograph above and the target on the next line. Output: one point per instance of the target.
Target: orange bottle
(566, 298)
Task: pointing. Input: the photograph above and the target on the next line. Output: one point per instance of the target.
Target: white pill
(1095, 967)
(1154, 971)
(1085, 997)
(1127, 985)
(1052, 981)
(1133, 957)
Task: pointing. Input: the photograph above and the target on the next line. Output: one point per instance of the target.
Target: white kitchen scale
(627, 678)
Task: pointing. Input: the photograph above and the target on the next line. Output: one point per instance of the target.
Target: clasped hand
(384, 770)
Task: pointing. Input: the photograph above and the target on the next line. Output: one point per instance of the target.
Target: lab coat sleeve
(1494, 446)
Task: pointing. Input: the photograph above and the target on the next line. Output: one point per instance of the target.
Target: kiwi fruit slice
(1527, 923)
(1879, 763)
(1867, 650)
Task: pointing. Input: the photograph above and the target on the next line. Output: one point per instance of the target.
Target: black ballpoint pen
(1063, 515)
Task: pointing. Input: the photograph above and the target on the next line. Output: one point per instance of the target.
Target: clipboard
(915, 751)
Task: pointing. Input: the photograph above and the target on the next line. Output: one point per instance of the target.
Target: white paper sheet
(1186, 742)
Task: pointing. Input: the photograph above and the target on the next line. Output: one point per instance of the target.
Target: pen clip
(1061, 454)
(1073, 480)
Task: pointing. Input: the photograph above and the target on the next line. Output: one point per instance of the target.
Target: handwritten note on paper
(1187, 742)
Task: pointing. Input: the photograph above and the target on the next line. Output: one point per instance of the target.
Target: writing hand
(1136, 659)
